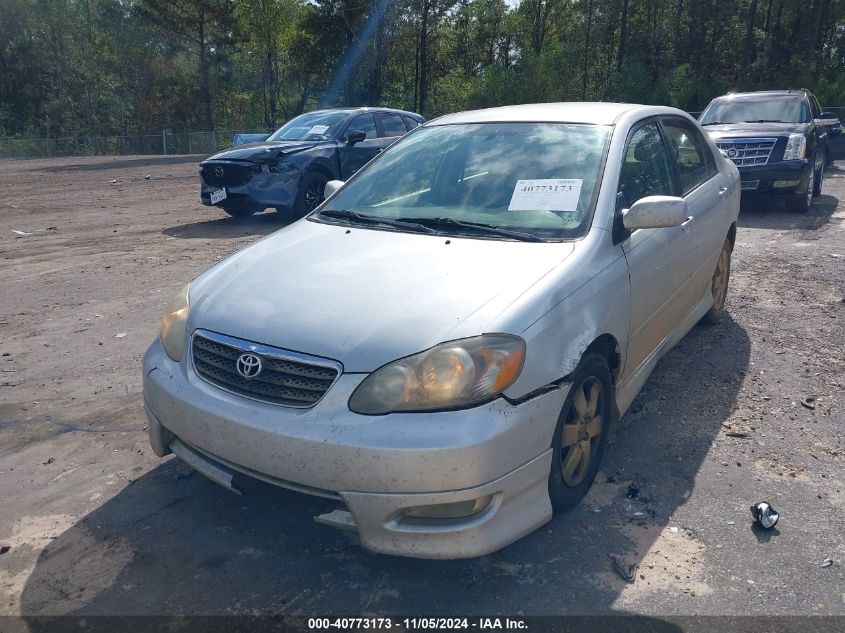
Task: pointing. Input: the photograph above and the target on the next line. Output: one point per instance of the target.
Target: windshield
(315, 126)
(773, 109)
(538, 179)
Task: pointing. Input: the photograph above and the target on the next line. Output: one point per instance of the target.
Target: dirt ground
(747, 410)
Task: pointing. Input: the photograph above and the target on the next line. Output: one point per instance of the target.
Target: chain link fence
(162, 144)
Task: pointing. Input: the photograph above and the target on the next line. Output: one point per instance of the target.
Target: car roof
(367, 109)
(764, 94)
(596, 113)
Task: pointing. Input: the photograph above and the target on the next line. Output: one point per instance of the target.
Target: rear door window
(393, 125)
(411, 123)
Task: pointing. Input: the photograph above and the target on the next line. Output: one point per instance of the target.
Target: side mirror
(331, 188)
(654, 212)
(827, 118)
(355, 136)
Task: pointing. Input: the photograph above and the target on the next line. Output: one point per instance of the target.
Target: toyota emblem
(249, 365)
(218, 171)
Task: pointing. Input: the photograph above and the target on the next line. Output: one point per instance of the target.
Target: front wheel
(719, 285)
(802, 203)
(581, 434)
(311, 193)
(817, 182)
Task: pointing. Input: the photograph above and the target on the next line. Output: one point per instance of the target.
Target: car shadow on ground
(173, 542)
(121, 162)
(228, 227)
(772, 213)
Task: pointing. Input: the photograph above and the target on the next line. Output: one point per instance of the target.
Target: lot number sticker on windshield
(318, 129)
(549, 194)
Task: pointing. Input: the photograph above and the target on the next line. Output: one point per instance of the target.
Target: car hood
(265, 151)
(739, 130)
(366, 297)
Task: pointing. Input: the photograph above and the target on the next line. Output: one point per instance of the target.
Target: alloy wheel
(582, 430)
(314, 195)
(720, 279)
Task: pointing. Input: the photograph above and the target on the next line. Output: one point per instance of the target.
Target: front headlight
(283, 166)
(452, 375)
(796, 147)
(173, 332)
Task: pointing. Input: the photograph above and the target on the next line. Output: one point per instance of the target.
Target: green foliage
(69, 68)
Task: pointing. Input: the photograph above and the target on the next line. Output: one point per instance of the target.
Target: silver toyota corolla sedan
(442, 346)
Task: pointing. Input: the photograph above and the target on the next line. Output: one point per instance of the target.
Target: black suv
(291, 168)
(777, 139)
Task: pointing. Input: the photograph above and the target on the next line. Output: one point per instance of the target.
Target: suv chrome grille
(747, 152)
(228, 174)
(286, 378)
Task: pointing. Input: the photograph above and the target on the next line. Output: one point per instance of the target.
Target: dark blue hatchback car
(291, 168)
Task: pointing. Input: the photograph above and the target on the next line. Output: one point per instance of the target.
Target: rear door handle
(686, 226)
(722, 191)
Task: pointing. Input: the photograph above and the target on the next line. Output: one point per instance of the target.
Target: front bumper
(780, 178)
(375, 465)
(266, 189)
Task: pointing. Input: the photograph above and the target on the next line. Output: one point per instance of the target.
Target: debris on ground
(120, 335)
(4, 547)
(827, 562)
(765, 514)
(50, 460)
(809, 402)
(35, 232)
(147, 177)
(737, 434)
(626, 572)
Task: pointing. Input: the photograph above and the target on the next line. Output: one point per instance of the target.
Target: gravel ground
(747, 410)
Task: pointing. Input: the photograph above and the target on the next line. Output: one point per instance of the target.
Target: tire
(817, 181)
(802, 203)
(310, 194)
(240, 209)
(719, 285)
(571, 476)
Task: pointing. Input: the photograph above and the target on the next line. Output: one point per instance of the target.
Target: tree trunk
(623, 33)
(205, 89)
(423, 56)
(749, 40)
(586, 50)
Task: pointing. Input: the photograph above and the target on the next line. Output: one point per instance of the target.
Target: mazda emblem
(249, 365)
(218, 171)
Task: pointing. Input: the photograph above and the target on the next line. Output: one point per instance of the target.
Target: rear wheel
(240, 209)
(719, 285)
(311, 193)
(581, 434)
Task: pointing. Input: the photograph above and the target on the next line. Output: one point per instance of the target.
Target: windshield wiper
(345, 214)
(767, 121)
(478, 228)
(714, 123)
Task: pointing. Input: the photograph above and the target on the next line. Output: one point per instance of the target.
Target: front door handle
(686, 226)
(722, 191)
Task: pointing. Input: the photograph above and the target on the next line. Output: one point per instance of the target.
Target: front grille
(747, 152)
(286, 378)
(228, 174)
